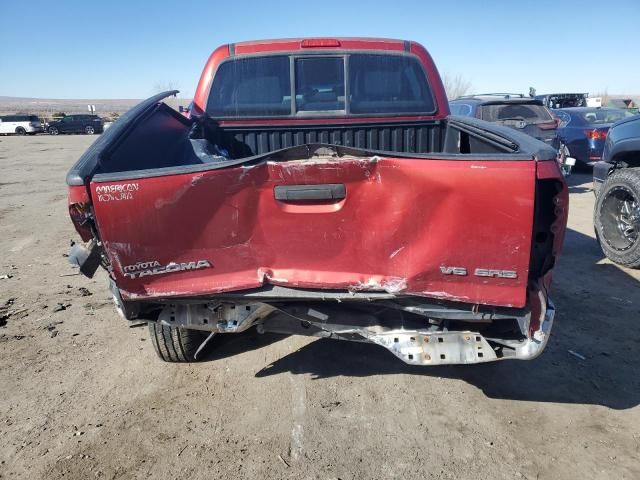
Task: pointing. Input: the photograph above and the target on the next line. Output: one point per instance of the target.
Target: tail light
(80, 211)
(320, 43)
(596, 134)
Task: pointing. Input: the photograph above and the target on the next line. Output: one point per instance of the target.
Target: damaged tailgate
(446, 228)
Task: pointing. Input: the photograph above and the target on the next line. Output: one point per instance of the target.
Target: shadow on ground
(597, 305)
(580, 182)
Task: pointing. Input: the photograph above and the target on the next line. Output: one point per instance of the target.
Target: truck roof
(340, 43)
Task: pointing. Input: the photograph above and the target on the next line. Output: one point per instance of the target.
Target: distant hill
(44, 107)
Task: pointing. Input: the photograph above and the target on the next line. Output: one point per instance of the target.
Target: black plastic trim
(296, 193)
(86, 166)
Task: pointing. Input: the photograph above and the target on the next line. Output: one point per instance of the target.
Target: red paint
(78, 194)
(401, 221)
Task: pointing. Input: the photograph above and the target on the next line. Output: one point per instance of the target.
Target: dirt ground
(82, 395)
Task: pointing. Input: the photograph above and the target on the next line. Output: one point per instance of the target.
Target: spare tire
(616, 217)
(175, 344)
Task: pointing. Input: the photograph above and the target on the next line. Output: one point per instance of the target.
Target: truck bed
(441, 209)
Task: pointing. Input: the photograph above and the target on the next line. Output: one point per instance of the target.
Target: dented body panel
(432, 236)
(400, 221)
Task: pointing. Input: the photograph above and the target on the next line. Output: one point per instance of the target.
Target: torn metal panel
(378, 238)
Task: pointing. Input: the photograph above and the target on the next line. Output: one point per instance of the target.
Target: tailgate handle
(328, 191)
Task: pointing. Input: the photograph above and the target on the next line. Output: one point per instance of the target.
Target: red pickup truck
(320, 187)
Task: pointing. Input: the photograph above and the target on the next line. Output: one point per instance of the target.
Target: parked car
(20, 125)
(84, 123)
(584, 130)
(511, 110)
(563, 100)
(616, 182)
(319, 187)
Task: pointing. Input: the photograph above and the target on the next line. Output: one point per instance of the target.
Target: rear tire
(174, 344)
(53, 131)
(616, 217)
(89, 130)
(20, 131)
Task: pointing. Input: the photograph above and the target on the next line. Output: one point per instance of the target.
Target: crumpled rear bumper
(456, 347)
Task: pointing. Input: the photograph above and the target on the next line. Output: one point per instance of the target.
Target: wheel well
(627, 159)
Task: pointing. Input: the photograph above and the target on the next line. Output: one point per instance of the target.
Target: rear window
(251, 87)
(319, 84)
(323, 85)
(388, 84)
(595, 117)
(528, 112)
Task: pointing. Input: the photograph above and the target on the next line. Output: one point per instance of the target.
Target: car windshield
(595, 117)
(377, 84)
(530, 113)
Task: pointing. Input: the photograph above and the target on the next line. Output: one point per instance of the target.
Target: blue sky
(123, 49)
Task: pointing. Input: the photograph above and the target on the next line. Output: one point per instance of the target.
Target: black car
(512, 110)
(616, 182)
(88, 124)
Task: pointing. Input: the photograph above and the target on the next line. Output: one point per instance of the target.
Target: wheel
(174, 344)
(89, 130)
(20, 131)
(616, 217)
(53, 131)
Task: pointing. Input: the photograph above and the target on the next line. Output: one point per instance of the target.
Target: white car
(20, 124)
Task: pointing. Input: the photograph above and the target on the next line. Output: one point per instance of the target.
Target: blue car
(583, 130)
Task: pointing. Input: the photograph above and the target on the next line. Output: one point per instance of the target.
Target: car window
(528, 112)
(67, 119)
(258, 86)
(460, 109)
(378, 84)
(388, 84)
(319, 83)
(594, 117)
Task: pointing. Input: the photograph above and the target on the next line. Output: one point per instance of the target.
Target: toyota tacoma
(320, 187)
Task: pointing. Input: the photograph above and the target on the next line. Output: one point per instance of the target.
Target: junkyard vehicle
(319, 187)
(583, 130)
(88, 124)
(616, 182)
(20, 124)
(563, 100)
(516, 111)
